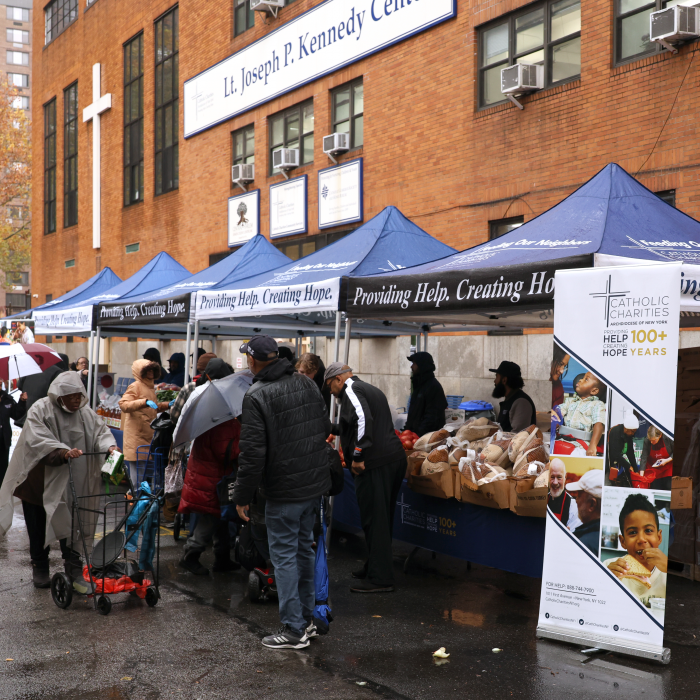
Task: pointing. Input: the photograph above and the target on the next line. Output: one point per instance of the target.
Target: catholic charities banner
(282, 299)
(328, 37)
(608, 517)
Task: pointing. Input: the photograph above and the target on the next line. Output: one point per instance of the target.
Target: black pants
(377, 490)
(4, 458)
(662, 484)
(35, 519)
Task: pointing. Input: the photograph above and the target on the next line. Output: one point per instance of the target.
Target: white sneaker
(311, 630)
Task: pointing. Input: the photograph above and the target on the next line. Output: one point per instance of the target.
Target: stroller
(253, 554)
(108, 525)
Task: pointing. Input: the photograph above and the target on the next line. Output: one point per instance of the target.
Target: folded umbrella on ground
(322, 611)
(210, 404)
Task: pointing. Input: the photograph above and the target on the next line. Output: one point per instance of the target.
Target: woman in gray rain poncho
(58, 427)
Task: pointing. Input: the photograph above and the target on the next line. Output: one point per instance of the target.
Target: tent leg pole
(348, 330)
(213, 345)
(195, 355)
(418, 339)
(188, 347)
(336, 354)
(97, 365)
(91, 344)
(425, 341)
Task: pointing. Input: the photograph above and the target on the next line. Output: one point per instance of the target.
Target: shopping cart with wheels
(114, 547)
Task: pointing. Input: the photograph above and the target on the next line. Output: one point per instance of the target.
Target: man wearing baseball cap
(517, 411)
(588, 492)
(283, 452)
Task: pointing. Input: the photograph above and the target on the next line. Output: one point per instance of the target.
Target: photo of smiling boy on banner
(605, 579)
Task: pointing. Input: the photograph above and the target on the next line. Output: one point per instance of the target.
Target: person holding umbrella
(214, 456)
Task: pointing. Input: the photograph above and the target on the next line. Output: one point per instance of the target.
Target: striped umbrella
(22, 360)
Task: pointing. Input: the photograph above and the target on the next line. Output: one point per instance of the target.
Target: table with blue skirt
(488, 536)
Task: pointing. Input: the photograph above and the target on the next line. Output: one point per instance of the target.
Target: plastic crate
(453, 400)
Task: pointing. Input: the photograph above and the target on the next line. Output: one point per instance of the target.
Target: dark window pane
(529, 31)
(566, 60)
(133, 121)
(166, 91)
(566, 18)
(634, 38)
(495, 45)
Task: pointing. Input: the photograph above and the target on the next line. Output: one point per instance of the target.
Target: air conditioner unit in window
(674, 24)
(286, 159)
(521, 79)
(335, 144)
(243, 174)
(271, 6)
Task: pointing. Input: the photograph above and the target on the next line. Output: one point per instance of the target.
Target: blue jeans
(290, 534)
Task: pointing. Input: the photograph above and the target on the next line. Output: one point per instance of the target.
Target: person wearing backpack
(213, 457)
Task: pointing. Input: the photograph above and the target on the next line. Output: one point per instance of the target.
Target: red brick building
(436, 137)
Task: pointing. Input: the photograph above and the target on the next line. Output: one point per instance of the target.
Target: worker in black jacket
(377, 459)
(8, 409)
(428, 403)
(283, 451)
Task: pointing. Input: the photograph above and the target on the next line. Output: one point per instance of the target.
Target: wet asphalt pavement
(203, 639)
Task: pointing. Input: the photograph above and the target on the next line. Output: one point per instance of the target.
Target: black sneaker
(286, 639)
(360, 573)
(311, 630)
(369, 587)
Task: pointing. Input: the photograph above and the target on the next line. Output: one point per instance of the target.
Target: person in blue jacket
(176, 370)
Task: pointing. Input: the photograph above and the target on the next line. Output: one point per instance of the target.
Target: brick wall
(427, 150)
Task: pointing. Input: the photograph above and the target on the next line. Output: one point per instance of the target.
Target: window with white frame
(17, 36)
(17, 14)
(17, 58)
(20, 80)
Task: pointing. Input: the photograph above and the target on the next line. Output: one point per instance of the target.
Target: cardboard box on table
(526, 500)
(440, 485)
(493, 495)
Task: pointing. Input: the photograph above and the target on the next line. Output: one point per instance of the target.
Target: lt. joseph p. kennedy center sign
(331, 35)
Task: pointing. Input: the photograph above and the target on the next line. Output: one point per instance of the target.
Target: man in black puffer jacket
(428, 403)
(283, 451)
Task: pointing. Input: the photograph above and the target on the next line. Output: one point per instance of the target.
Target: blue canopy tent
(509, 281)
(77, 317)
(100, 283)
(304, 295)
(169, 305)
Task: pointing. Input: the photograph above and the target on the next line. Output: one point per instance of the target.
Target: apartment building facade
(16, 48)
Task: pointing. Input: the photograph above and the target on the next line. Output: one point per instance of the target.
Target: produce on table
(167, 394)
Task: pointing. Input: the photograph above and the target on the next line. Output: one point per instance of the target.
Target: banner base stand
(663, 657)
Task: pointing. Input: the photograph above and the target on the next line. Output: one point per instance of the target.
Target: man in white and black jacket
(377, 459)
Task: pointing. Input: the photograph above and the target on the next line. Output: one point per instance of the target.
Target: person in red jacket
(214, 455)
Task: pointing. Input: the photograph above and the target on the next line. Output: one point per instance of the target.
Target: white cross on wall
(93, 111)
